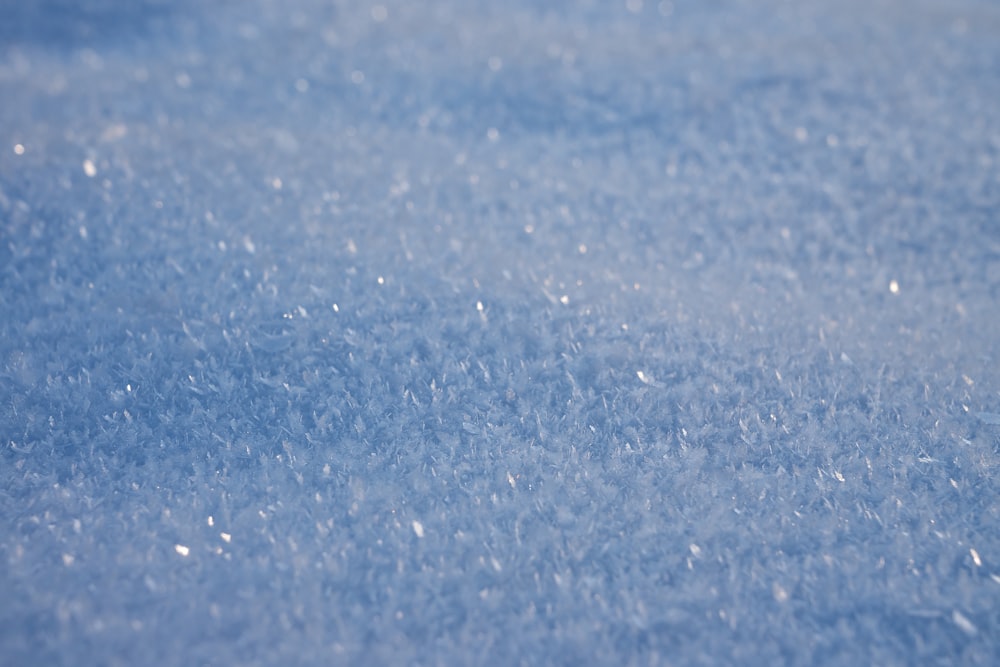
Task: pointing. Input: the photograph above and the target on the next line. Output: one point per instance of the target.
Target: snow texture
(499, 333)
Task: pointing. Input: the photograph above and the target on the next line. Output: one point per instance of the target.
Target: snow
(499, 333)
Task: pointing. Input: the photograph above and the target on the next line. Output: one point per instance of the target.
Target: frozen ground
(498, 333)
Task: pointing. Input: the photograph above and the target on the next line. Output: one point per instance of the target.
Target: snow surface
(499, 333)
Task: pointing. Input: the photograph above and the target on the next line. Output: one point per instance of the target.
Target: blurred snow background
(495, 333)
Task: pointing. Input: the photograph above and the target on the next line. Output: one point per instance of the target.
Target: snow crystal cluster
(499, 333)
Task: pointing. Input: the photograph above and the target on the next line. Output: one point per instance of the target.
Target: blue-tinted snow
(497, 333)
